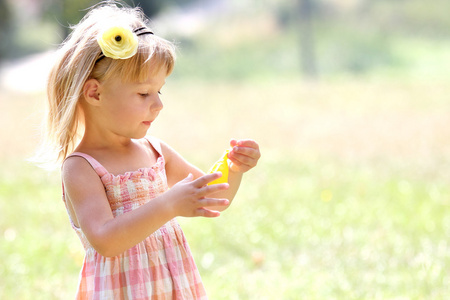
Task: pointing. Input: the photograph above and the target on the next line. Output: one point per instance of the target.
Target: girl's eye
(159, 93)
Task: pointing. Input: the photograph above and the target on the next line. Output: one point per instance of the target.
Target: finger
(250, 152)
(189, 178)
(203, 212)
(241, 163)
(205, 202)
(213, 188)
(238, 167)
(205, 179)
(247, 143)
(233, 142)
(242, 159)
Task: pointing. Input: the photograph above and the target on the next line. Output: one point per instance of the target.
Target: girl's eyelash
(146, 94)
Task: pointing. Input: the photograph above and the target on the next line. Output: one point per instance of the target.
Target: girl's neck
(120, 158)
(97, 138)
(112, 144)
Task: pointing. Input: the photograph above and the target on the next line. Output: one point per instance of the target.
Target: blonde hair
(78, 60)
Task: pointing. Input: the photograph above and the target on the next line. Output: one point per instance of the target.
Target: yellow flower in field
(118, 43)
(220, 166)
(326, 195)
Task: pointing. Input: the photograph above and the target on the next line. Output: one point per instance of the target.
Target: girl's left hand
(244, 155)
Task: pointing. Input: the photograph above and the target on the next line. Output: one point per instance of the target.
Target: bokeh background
(349, 101)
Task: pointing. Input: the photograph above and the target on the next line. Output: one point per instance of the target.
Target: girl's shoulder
(80, 163)
(77, 171)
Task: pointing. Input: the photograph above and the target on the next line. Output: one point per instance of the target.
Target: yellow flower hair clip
(119, 42)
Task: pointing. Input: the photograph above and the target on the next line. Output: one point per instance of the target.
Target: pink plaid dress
(159, 267)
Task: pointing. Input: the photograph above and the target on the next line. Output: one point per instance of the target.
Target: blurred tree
(5, 29)
(67, 12)
(70, 12)
(150, 8)
(307, 46)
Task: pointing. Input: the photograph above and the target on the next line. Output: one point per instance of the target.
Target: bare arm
(85, 196)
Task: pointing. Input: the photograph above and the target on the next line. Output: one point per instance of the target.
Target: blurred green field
(350, 199)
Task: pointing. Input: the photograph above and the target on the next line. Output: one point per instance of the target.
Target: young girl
(123, 189)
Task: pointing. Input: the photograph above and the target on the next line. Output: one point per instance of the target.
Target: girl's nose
(157, 105)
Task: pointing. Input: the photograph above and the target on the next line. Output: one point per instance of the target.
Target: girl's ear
(91, 92)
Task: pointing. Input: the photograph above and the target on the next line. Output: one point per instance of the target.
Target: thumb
(189, 178)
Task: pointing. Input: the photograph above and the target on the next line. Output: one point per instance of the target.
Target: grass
(41, 257)
(325, 230)
(350, 199)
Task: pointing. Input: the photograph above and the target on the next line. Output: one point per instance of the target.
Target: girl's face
(129, 109)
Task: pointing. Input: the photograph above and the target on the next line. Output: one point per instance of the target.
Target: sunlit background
(349, 101)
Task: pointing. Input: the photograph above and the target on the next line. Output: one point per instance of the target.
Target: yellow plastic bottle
(220, 166)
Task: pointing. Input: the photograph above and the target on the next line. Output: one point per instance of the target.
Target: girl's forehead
(158, 77)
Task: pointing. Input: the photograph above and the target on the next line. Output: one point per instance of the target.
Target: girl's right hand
(190, 197)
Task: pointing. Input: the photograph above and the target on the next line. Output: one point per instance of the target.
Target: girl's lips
(147, 123)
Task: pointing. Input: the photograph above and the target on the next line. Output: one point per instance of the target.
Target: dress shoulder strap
(155, 143)
(98, 168)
